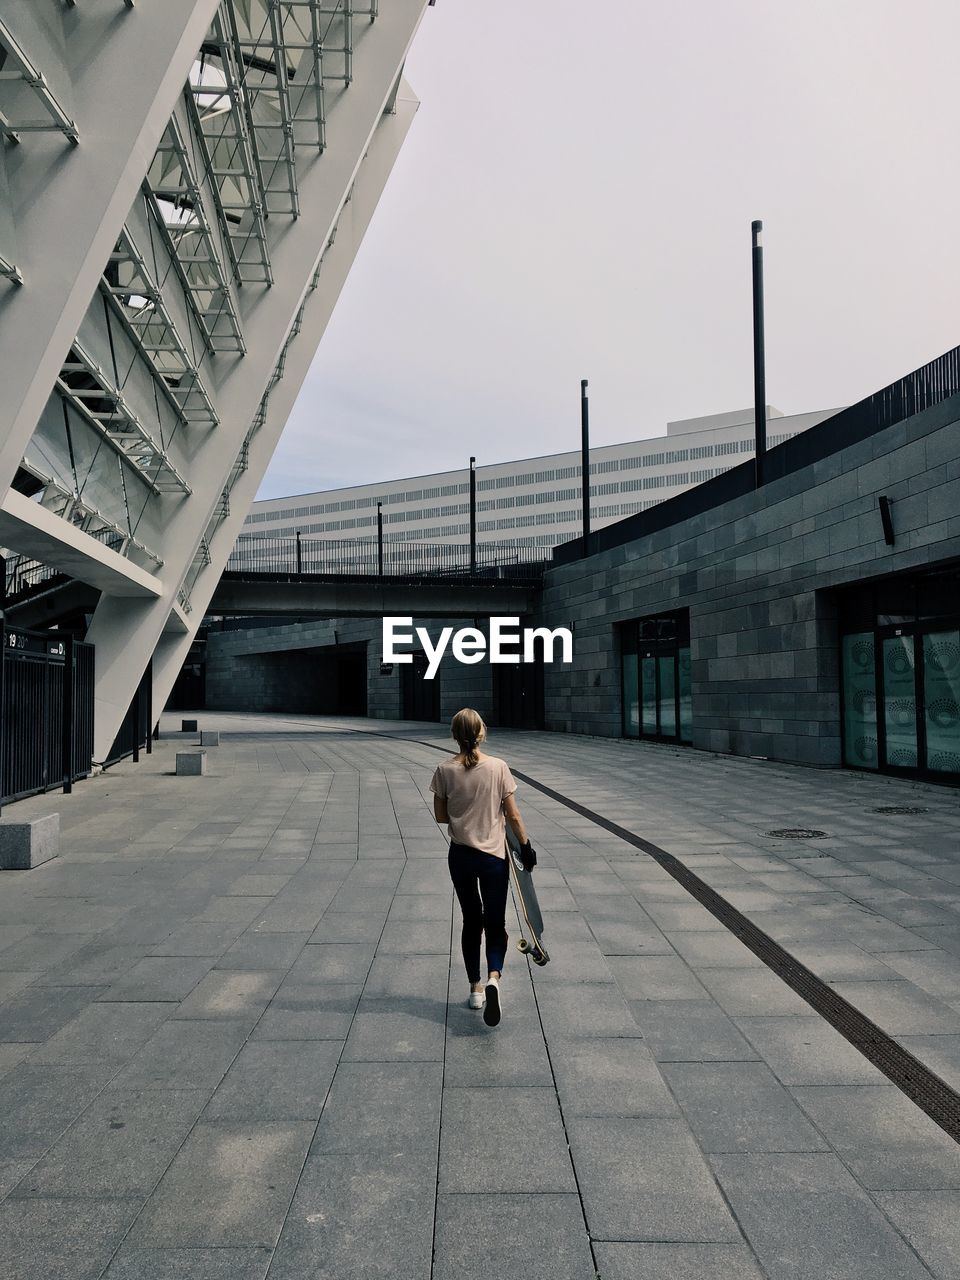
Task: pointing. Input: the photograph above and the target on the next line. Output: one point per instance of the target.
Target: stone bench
(188, 726)
(210, 738)
(191, 764)
(27, 843)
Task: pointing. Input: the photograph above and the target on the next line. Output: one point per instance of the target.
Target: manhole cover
(899, 808)
(797, 833)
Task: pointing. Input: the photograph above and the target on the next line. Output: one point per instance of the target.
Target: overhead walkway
(234, 1037)
(325, 578)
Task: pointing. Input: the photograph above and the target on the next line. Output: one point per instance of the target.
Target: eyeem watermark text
(507, 644)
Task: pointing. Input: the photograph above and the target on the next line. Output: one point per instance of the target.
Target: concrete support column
(125, 636)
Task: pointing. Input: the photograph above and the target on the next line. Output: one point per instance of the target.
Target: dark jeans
(480, 880)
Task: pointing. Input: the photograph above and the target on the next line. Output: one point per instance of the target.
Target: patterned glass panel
(686, 703)
(900, 702)
(668, 705)
(860, 700)
(941, 697)
(649, 673)
(631, 697)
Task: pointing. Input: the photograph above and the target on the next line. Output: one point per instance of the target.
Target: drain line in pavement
(923, 1086)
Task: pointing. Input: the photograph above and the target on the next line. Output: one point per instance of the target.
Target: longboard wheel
(523, 946)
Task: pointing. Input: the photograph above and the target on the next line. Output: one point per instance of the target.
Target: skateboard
(526, 898)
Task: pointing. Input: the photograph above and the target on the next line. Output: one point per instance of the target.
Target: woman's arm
(512, 815)
(440, 809)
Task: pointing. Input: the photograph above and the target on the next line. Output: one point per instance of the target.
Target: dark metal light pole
(759, 357)
(473, 517)
(379, 539)
(585, 462)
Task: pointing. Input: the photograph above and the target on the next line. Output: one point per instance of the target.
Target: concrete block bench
(210, 738)
(191, 764)
(28, 843)
(188, 726)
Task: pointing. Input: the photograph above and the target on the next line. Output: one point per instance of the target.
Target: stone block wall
(757, 575)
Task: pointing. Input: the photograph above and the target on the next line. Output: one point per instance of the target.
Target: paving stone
(397, 1028)
(40, 1012)
(740, 1106)
(423, 937)
(222, 908)
(655, 978)
(229, 1186)
(883, 1137)
(475, 1057)
(226, 994)
(842, 963)
(690, 1031)
(198, 939)
(503, 1140)
(645, 1179)
(599, 1009)
(183, 1055)
(346, 926)
(940, 1053)
(276, 1080)
(39, 1103)
(615, 1077)
(260, 951)
(935, 972)
(625, 938)
(309, 1011)
(365, 1216)
(258, 885)
(714, 951)
(434, 908)
(751, 992)
(97, 963)
(105, 1033)
(387, 1106)
(189, 1264)
(423, 976)
(156, 978)
(930, 1220)
(682, 917)
(118, 1147)
(807, 1050)
(500, 1229)
(11, 1054)
(61, 1239)
(805, 1216)
(676, 1262)
(901, 1008)
(333, 962)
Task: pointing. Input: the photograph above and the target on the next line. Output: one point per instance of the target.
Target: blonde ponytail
(468, 729)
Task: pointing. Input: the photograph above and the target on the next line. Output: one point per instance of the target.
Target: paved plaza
(234, 1044)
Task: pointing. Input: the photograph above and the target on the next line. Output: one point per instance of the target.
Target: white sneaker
(476, 1000)
(491, 1009)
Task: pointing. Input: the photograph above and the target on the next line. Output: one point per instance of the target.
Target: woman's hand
(528, 856)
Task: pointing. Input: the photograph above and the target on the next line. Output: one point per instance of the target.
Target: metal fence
(135, 728)
(361, 557)
(46, 727)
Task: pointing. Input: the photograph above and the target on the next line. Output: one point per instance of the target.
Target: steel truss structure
(168, 290)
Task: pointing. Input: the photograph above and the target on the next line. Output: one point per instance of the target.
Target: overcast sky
(574, 200)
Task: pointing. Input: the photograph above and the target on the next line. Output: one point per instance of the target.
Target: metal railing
(46, 726)
(263, 554)
(925, 388)
(135, 729)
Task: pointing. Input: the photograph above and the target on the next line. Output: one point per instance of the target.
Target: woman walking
(474, 794)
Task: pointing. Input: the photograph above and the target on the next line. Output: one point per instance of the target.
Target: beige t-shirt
(475, 802)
